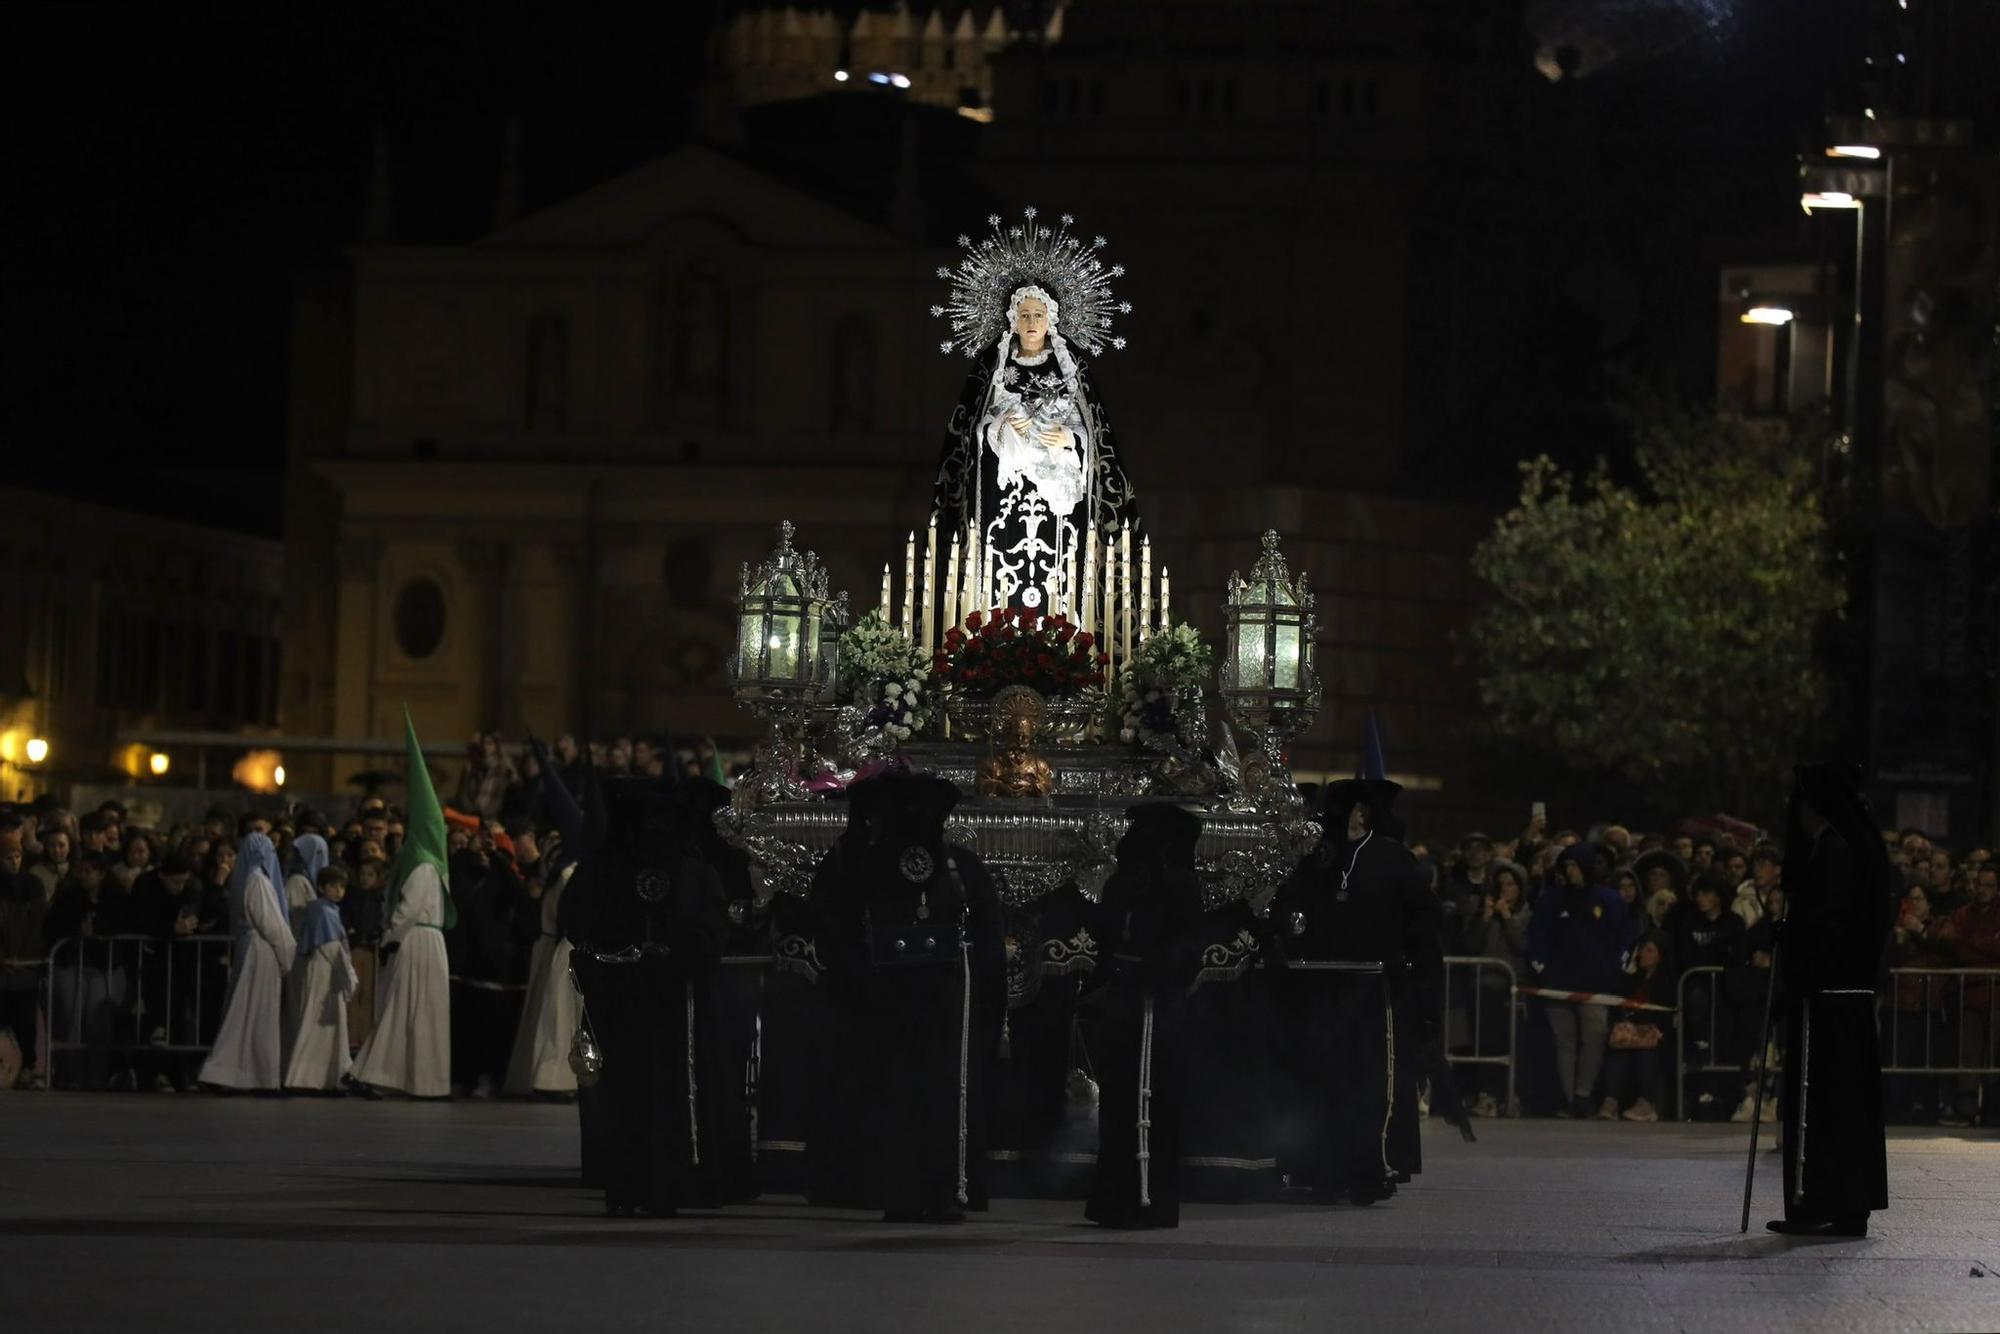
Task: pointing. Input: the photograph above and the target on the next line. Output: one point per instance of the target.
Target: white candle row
(1118, 598)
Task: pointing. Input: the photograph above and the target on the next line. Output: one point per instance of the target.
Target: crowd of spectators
(1605, 912)
(1610, 913)
(150, 907)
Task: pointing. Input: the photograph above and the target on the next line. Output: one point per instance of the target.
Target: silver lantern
(786, 659)
(1267, 682)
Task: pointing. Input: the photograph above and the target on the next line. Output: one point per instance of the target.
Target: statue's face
(1031, 324)
(1017, 732)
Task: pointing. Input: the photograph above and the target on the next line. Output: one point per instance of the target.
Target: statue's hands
(1054, 435)
(1018, 422)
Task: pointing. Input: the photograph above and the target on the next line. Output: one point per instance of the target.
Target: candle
(888, 615)
(1087, 612)
(986, 601)
(1166, 619)
(953, 590)
(910, 585)
(928, 630)
(1145, 588)
(968, 576)
(1069, 584)
(1124, 592)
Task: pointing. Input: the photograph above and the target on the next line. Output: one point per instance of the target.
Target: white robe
(540, 1062)
(410, 1049)
(316, 1018)
(299, 894)
(248, 1051)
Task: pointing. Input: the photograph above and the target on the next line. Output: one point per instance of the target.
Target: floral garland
(1009, 646)
(1151, 683)
(882, 674)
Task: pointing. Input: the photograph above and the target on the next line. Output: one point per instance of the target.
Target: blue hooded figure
(1577, 941)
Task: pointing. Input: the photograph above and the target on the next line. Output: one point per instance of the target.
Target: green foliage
(1664, 632)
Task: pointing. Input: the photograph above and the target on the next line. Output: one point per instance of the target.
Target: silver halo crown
(1030, 254)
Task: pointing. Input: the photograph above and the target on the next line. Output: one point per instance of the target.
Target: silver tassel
(964, 1064)
(694, 1133)
(1146, 1106)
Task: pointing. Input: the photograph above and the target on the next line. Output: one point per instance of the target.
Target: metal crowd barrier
(96, 995)
(1684, 1037)
(1479, 964)
(1954, 980)
(1888, 1010)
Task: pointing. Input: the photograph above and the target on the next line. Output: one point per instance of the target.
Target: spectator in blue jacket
(1578, 937)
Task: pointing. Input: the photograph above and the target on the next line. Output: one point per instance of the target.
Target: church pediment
(697, 180)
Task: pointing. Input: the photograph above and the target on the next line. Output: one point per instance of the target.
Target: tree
(1665, 632)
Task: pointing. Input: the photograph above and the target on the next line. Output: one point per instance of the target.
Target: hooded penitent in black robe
(648, 926)
(1841, 899)
(736, 994)
(909, 936)
(581, 833)
(1236, 1041)
(1364, 901)
(1027, 526)
(1148, 933)
(1038, 1141)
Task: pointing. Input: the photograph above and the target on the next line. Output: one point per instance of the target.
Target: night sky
(168, 173)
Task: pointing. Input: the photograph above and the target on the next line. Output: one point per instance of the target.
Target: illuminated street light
(38, 750)
(159, 763)
(840, 76)
(1868, 151)
(900, 80)
(1813, 199)
(278, 775)
(1766, 315)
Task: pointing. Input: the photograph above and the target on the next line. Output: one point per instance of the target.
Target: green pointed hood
(423, 828)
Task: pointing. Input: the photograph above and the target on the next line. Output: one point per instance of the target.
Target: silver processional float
(1032, 658)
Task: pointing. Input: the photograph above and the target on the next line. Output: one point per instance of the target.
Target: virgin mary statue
(1028, 467)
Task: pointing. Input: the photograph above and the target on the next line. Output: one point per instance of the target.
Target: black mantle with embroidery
(968, 475)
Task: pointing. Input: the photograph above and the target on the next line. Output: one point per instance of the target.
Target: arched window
(548, 372)
(851, 386)
(419, 618)
(693, 351)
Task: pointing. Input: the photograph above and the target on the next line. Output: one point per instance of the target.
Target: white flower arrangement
(885, 676)
(1150, 686)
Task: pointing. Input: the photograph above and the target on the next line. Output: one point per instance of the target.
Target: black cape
(1841, 899)
(963, 455)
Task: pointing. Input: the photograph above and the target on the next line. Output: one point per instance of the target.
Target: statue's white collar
(1036, 360)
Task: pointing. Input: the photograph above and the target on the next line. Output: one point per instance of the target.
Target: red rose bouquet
(1009, 646)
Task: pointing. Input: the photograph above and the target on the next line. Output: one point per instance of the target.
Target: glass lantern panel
(1278, 595)
(750, 647)
(813, 645)
(1285, 671)
(1249, 653)
(783, 645)
(781, 585)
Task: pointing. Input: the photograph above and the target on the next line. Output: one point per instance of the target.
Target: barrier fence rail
(1917, 1012)
(1480, 1014)
(129, 994)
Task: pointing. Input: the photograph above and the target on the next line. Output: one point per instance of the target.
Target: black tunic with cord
(917, 1027)
(1841, 899)
(1353, 1130)
(1148, 931)
(648, 928)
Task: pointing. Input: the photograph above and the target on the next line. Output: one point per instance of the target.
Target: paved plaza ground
(227, 1216)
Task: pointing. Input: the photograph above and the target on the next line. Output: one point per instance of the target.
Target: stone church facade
(529, 465)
